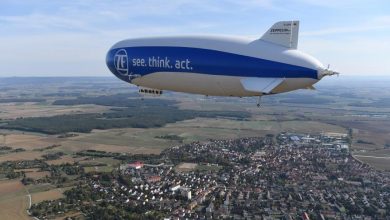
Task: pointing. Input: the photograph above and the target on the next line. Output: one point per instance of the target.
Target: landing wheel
(259, 102)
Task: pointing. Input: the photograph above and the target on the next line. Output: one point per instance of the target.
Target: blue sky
(71, 38)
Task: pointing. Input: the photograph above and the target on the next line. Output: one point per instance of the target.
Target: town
(287, 176)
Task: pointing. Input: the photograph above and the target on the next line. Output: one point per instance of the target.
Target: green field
(379, 162)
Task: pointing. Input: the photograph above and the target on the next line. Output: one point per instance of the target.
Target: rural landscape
(62, 135)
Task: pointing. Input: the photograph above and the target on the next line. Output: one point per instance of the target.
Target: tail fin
(283, 33)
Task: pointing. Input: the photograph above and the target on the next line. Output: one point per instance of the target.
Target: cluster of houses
(291, 176)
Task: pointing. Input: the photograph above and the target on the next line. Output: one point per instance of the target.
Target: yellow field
(65, 159)
(381, 162)
(31, 142)
(13, 200)
(38, 175)
(12, 110)
(47, 195)
(186, 167)
(26, 155)
(28, 141)
(104, 169)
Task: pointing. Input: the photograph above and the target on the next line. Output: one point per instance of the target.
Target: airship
(218, 66)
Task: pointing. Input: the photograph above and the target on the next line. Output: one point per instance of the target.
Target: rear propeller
(328, 72)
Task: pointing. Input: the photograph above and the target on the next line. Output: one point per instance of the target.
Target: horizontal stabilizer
(263, 85)
(283, 33)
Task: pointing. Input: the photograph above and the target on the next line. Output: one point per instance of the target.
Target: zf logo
(121, 62)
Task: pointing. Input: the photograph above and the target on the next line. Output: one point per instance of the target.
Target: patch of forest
(137, 113)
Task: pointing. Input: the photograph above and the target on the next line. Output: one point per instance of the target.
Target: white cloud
(41, 21)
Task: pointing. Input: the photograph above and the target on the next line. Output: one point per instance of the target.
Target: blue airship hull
(148, 60)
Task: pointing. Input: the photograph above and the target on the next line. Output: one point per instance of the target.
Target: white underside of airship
(212, 85)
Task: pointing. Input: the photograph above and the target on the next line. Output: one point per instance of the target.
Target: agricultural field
(379, 162)
(103, 164)
(13, 200)
(186, 167)
(26, 155)
(37, 174)
(16, 110)
(65, 159)
(52, 194)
